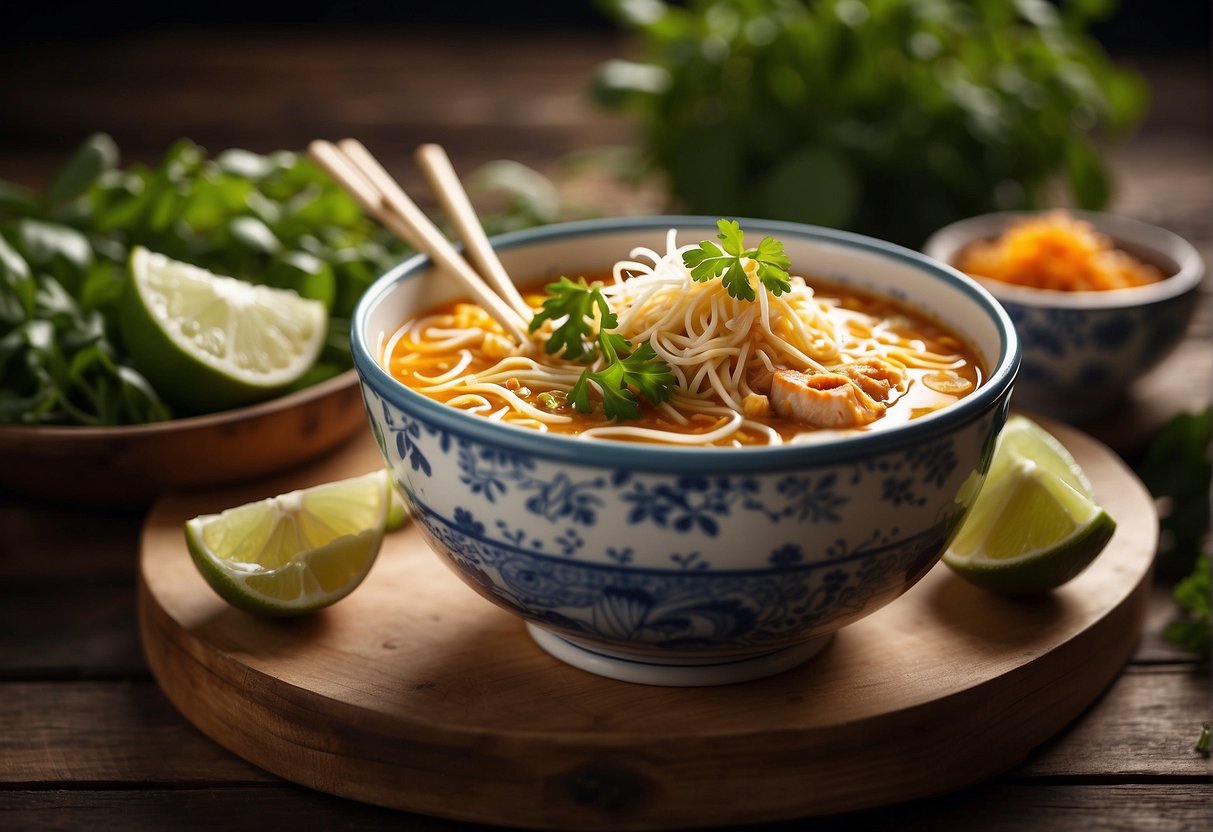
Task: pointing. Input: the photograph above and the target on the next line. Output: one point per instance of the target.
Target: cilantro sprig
(710, 261)
(583, 322)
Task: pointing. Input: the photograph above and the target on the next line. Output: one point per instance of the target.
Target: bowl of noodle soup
(815, 449)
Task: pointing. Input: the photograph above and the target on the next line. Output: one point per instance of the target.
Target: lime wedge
(294, 553)
(208, 342)
(397, 510)
(1034, 525)
(1021, 438)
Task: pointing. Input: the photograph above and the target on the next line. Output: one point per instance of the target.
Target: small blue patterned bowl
(1083, 350)
(682, 566)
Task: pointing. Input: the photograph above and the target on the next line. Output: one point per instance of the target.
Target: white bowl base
(643, 670)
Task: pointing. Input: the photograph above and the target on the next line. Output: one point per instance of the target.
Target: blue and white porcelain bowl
(1082, 351)
(681, 566)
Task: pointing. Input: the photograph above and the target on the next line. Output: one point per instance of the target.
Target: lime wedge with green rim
(1021, 438)
(1034, 525)
(209, 342)
(297, 552)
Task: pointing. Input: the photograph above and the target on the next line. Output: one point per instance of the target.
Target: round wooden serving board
(416, 693)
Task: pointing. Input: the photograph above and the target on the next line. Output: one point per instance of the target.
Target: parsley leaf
(582, 335)
(710, 261)
(575, 303)
(640, 368)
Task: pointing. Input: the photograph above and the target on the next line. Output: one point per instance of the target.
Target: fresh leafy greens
(275, 219)
(888, 117)
(272, 219)
(710, 261)
(1193, 630)
(583, 321)
(1177, 470)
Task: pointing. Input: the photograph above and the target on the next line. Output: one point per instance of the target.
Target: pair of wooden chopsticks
(361, 174)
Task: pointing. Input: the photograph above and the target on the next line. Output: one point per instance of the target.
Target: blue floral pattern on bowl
(636, 557)
(1077, 362)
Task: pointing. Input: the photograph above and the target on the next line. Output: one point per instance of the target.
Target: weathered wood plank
(1147, 723)
(993, 808)
(49, 541)
(63, 733)
(59, 734)
(69, 629)
(529, 95)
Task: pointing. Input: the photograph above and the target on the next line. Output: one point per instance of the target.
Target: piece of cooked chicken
(851, 396)
(875, 376)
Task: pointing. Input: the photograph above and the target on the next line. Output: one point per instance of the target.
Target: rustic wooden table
(87, 740)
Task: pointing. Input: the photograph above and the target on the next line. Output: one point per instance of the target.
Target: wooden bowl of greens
(132, 465)
(88, 411)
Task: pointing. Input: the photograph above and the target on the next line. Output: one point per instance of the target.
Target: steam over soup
(705, 344)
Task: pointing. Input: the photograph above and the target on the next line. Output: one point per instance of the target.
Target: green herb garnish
(571, 306)
(583, 320)
(1177, 471)
(1191, 630)
(710, 261)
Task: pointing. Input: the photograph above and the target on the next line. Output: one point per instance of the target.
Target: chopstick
(440, 173)
(353, 166)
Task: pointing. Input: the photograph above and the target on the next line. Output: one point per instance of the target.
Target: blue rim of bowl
(653, 457)
(944, 244)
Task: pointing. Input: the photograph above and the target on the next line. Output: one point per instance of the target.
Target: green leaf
(17, 288)
(529, 194)
(649, 374)
(254, 234)
(43, 242)
(140, 402)
(306, 273)
(98, 154)
(579, 312)
(626, 368)
(709, 261)
(244, 164)
(1177, 471)
(1193, 630)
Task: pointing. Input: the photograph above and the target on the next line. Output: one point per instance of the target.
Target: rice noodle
(720, 350)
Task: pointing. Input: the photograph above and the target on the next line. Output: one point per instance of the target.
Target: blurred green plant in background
(888, 117)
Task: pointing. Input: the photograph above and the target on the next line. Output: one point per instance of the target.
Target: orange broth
(916, 401)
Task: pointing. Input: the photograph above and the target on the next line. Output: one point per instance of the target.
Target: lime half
(209, 342)
(1034, 525)
(297, 552)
